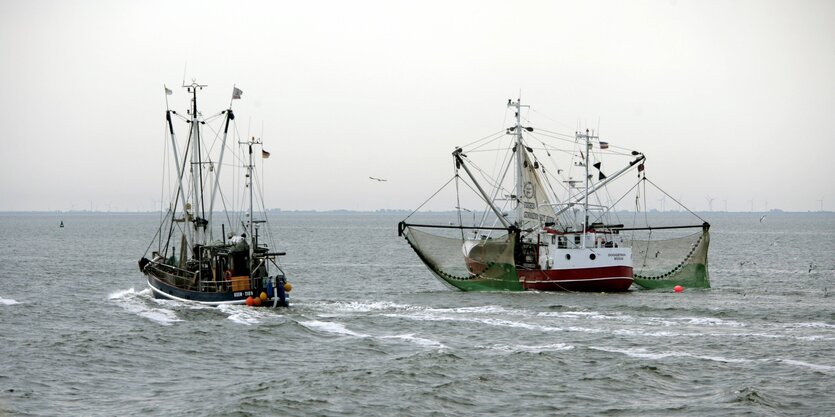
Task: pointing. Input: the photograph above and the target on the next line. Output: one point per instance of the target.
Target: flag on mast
(168, 91)
(236, 93)
(265, 154)
(604, 145)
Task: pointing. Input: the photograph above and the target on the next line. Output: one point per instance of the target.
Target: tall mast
(180, 168)
(249, 168)
(199, 221)
(251, 219)
(229, 117)
(520, 187)
(586, 137)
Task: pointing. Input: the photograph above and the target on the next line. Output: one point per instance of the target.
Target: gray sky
(732, 99)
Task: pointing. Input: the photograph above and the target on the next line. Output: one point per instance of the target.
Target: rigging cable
(430, 198)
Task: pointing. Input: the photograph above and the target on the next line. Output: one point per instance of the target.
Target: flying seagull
(762, 218)
(378, 179)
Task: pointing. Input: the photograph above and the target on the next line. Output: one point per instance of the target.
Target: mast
(519, 148)
(180, 168)
(229, 117)
(251, 219)
(586, 188)
(249, 183)
(199, 220)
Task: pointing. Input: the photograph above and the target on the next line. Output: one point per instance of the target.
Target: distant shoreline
(384, 212)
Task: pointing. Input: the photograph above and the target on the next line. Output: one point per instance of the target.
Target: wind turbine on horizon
(710, 202)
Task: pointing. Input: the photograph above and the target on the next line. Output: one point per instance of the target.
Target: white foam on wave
(594, 315)
(330, 327)
(340, 329)
(821, 368)
(555, 347)
(362, 306)
(478, 320)
(642, 353)
(814, 325)
(816, 338)
(8, 301)
(411, 338)
(633, 332)
(240, 314)
(476, 310)
(708, 321)
(134, 302)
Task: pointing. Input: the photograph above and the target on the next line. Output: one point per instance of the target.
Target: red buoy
(678, 288)
(250, 301)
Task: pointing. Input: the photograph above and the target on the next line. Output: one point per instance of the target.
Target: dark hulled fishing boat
(206, 253)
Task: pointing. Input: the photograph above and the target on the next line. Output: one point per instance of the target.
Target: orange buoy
(288, 287)
(257, 301)
(678, 288)
(250, 301)
(263, 296)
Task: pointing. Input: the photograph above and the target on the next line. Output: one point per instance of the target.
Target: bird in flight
(378, 179)
(762, 218)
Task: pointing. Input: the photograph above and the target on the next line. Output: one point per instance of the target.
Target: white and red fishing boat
(544, 224)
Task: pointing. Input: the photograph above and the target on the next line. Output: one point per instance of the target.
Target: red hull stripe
(575, 274)
(614, 278)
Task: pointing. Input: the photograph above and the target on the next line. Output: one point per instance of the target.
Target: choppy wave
(816, 367)
(411, 338)
(137, 303)
(554, 347)
(342, 330)
(643, 353)
(240, 314)
(330, 327)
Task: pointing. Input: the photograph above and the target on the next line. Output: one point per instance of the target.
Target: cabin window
(592, 256)
(568, 256)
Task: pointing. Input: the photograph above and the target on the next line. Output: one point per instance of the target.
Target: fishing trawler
(207, 250)
(551, 226)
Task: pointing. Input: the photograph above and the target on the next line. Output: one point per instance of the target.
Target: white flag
(236, 93)
(168, 92)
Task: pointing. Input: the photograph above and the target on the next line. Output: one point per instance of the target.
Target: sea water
(372, 333)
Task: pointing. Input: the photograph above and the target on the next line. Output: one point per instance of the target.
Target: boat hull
(159, 283)
(602, 279)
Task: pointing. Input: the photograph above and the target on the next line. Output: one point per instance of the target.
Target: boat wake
(136, 302)
(241, 314)
(340, 329)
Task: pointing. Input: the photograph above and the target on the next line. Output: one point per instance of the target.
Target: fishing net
(662, 262)
(464, 260)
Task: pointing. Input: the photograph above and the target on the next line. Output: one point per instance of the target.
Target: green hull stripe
(503, 277)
